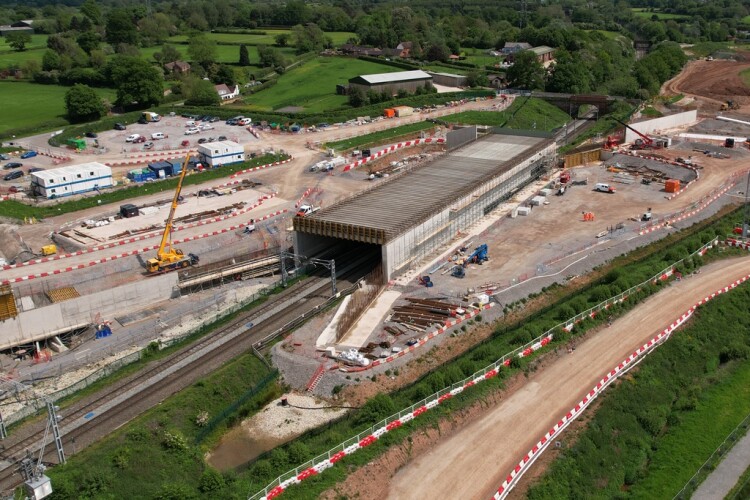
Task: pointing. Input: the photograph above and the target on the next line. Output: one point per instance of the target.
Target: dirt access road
(712, 82)
(472, 462)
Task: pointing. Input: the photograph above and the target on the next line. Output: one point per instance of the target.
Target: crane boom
(168, 258)
(645, 138)
(166, 238)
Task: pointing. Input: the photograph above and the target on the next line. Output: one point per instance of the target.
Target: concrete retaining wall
(47, 321)
(662, 123)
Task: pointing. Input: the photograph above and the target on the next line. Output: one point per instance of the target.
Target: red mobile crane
(645, 142)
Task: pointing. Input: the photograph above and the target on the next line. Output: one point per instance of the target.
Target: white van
(604, 188)
(158, 135)
(190, 123)
(244, 121)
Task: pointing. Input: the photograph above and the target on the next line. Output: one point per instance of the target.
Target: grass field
(313, 84)
(745, 77)
(380, 138)
(533, 114)
(338, 37)
(479, 57)
(745, 20)
(224, 53)
(37, 42)
(32, 104)
(643, 12)
(442, 69)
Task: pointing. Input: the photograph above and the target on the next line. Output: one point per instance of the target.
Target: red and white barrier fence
(329, 459)
(150, 157)
(248, 170)
(514, 476)
(391, 149)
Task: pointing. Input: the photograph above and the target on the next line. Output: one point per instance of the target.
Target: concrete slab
(328, 337)
(359, 334)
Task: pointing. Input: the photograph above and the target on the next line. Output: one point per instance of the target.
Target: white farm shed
(220, 153)
(74, 179)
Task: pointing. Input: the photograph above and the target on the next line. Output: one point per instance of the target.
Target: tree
(91, 10)
(309, 38)
(569, 75)
(437, 52)
(120, 28)
(83, 104)
(200, 92)
(225, 74)
(282, 40)
(168, 54)
(244, 56)
(527, 72)
(88, 41)
(356, 97)
(476, 78)
(136, 81)
(202, 50)
(18, 40)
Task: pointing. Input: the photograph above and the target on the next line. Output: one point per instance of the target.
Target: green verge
(382, 137)
(655, 429)
(523, 114)
(745, 77)
(742, 488)
(18, 210)
(623, 273)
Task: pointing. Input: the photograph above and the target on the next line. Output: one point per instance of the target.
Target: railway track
(91, 418)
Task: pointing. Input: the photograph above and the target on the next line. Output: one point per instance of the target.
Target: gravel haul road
(473, 462)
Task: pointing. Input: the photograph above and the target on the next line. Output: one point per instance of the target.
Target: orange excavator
(168, 258)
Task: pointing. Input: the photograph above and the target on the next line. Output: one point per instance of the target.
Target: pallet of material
(61, 294)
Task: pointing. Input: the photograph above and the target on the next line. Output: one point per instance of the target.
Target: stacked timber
(421, 314)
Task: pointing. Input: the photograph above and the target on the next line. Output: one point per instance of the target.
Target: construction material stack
(421, 314)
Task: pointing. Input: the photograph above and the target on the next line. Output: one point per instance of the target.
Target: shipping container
(672, 186)
(128, 210)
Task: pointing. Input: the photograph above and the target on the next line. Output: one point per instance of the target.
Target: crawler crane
(168, 258)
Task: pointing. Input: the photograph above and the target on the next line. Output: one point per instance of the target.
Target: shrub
(174, 441)
(298, 452)
(211, 481)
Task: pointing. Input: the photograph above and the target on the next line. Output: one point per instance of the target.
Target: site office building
(74, 179)
(221, 153)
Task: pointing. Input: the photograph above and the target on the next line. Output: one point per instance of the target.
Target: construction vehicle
(565, 177)
(304, 210)
(646, 217)
(49, 250)
(169, 258)
(729, 105)
(478, 256)
(645, 142)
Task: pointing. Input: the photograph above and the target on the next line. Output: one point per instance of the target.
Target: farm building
(448, 79)
(391, 82)
(220, 153)
(67, 181)
(544, 54)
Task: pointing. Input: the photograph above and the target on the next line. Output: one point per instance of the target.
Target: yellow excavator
(168, 258)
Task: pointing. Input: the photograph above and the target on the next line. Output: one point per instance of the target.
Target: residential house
(349, 49)
(225, 93)
(498, 81)
(177, 67)
(404, 49)
(513, 47)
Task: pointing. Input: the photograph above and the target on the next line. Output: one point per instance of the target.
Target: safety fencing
(150, 157)
(136, 252)
(211, 425)
(713, 461)
(518, 471)
(261, 167)
(371, 435)
(392, 148)
(141, 237)
(695, 208)
(34, 405)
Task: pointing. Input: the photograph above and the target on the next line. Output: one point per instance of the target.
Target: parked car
(206, 126)
(91, 135)
(214, 119)
(202, 140)
(148, 145)
(13, 175)
(142, 120)
(139, 139)
(132, 137)
(244, 121)
(190, 123)
(13, 164)
(158, 135)
(222, 138)
(4, 157)
(120, 126)
(35, 169)
(185, 143)
(28, 154)
(192, 131)
(231, 121)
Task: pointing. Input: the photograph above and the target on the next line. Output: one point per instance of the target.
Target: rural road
(720, 482)
(473, 462)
